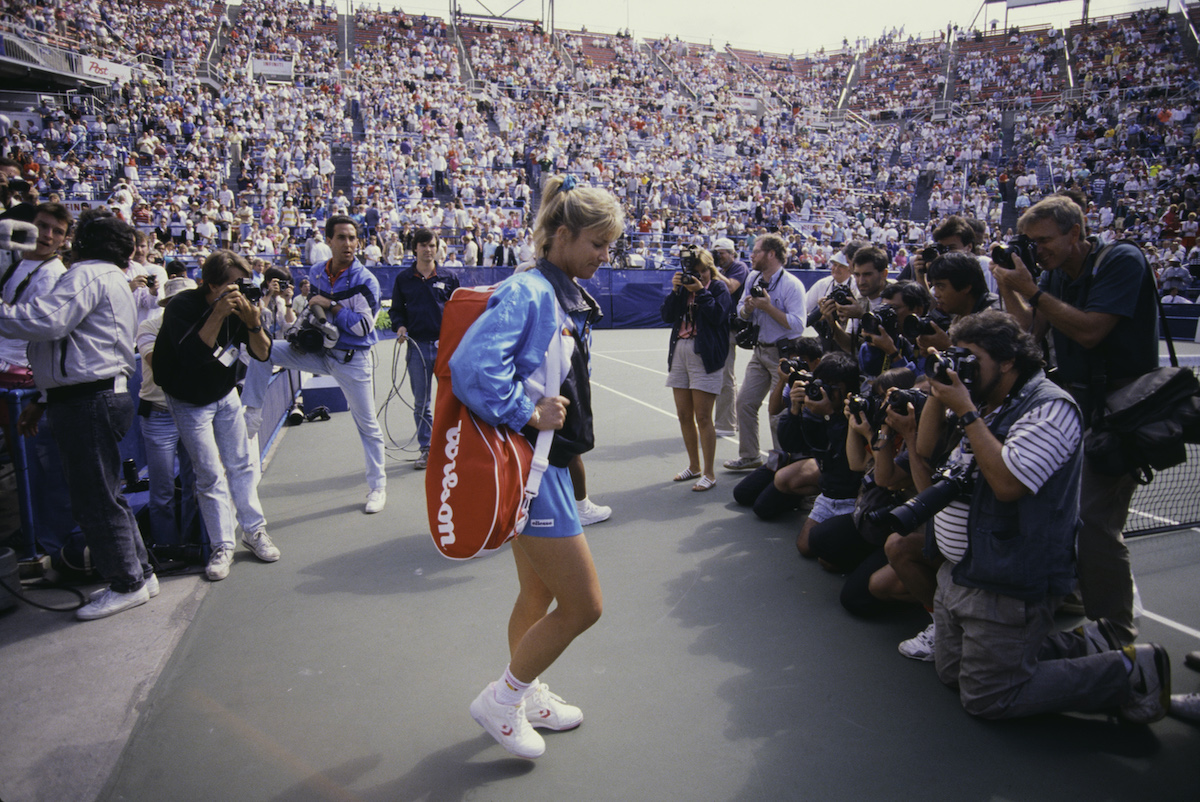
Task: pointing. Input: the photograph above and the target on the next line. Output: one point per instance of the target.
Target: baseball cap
(724, 244)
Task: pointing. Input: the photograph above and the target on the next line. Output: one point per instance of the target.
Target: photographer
(1008, 536)
(731, 272)
(838, 286)
(758, 489)
(888, 333)
(80, 335)
(775, 304)
(954, 235)
(852, 544)
(870, 267)
(957, 283)
(1098, 305)
(817, 415)
(195, 361)
(698, 309)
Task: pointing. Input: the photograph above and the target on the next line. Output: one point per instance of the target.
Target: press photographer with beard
(1098, 305)
(775, 302)
(732, 272)
(698, 310)
(1008, 536)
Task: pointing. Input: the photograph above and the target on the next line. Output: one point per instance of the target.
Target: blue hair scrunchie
(568, 183)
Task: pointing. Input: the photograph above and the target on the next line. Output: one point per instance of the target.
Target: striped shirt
(1039, 443)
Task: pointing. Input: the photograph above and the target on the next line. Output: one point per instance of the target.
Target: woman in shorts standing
(502, 349)
(699, 310)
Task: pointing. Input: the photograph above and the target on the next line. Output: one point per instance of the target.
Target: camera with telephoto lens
(959, 360)
(689, 262)
(951, 482)
(1021, 246)
(869, 408)
(882, 319)
(901, 398)
(933, 251)
(759, 289)
(252, 291)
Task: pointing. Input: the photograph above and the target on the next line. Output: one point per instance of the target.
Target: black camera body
(933, 251)
(1021, 246)
(252, 291)
(882, 319)
(689, 262)
(900, 399)
(815, 390)
(759, 289)
(841, 295)
(869, 408)
(918, 325)
(745, 333)
(959, 360)
(797, 370)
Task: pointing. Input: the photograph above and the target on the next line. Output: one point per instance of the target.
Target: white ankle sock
(509, 690)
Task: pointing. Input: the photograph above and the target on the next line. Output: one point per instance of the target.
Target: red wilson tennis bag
(480, 478)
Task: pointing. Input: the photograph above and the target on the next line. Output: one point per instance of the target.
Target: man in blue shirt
(775, 302)
(418, 297)
(349, 296)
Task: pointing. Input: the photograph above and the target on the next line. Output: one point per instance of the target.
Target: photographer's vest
(1024, 548)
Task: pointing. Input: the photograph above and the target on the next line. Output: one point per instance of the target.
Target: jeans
(356, 378)
(161, 440)
(421, 356)
(214, 436)
(89, 432)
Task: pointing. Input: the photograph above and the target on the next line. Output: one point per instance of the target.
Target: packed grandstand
(247, 125)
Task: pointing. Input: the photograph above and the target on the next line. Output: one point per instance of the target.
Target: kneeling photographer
(889, 332)
(1005, 508)
(758, 489)
(816, 415)
(699, 310)
(852, 543)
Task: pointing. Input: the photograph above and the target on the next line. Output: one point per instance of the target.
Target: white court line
(1172, 624)
(671, 415)
(631, 351)
(1165, 521)
(631, 364)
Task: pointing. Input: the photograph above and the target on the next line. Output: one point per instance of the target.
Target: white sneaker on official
(376, 499)
(920, 647)
(151, 585)
(592, 513)
(548, 710)
(260, 543)
(110, 602)
(507, 724)
(218, 564)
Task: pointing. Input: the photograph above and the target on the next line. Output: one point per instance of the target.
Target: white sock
(532, 687)
(509, 690)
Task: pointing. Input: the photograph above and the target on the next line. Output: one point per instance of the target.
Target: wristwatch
(969, 418)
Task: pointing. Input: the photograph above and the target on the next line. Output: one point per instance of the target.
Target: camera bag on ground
(481, 478)
(1146, 425)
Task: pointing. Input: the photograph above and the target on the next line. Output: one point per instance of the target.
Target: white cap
(173, 287)
(724, 244)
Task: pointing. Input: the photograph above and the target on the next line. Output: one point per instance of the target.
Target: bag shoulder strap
(555, 373)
